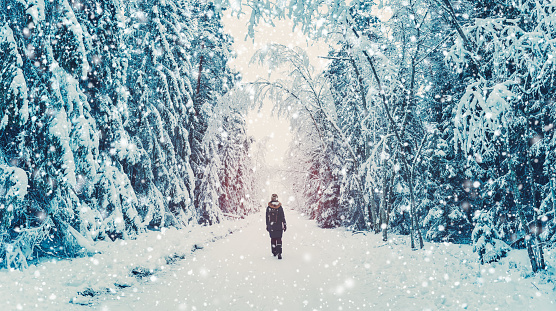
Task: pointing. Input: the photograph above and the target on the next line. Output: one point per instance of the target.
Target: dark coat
(275, 220)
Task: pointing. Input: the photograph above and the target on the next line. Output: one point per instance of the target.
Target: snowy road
(322, 269)
(333, 270)
(240, 273)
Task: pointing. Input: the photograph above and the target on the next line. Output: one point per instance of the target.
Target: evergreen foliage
(443, 109)
(433, 119)
(95, 122)
(209, 53)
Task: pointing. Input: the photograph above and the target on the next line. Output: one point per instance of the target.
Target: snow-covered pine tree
(157, 40)
(367, 127)
(547, 211)
(97, 128)
(226, 182)
(331, 213)
(397, 74)
(236, 173)
(58, 145)
(486, 243)
(13, 188)
(209, 188)
(508, 45)
(107, 95)
(53, 136)
(301, 171)
(209, 52)
(450, 198)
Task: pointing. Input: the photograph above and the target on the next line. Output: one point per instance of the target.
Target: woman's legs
(276, 246)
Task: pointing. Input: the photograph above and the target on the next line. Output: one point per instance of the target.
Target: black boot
(279, 250)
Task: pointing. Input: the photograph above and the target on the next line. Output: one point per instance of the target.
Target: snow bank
(447, 276)
(66, 284)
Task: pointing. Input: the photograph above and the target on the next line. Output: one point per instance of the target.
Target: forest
(434, 120)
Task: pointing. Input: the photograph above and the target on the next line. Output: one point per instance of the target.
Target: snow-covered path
(322, 269)
(334, 270)
(240, 273)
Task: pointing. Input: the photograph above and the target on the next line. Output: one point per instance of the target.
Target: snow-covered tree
(48, 125)
(94, 128)
(211, 78)
(236, 173)
(209, 187)
(501, 116)
(307, 99)
(160, 98)
(486, 243)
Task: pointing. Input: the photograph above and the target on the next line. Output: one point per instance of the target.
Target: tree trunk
(522, 220)
(411, 215)
(414, 219)
(372, 210)
(553, 191)
(200, 71)
(383, 203)
(388, 208)
(366, 151)
(539, 251)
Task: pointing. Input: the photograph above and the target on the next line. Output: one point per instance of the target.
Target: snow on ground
(321, 270)
(119, 266)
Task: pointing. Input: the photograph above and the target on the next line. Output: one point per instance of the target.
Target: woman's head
(274, 197)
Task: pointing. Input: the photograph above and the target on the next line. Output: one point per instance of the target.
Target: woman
(275, 224)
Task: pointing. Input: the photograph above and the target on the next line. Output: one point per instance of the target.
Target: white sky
(262, 124)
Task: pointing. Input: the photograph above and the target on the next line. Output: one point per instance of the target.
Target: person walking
(275, 225)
